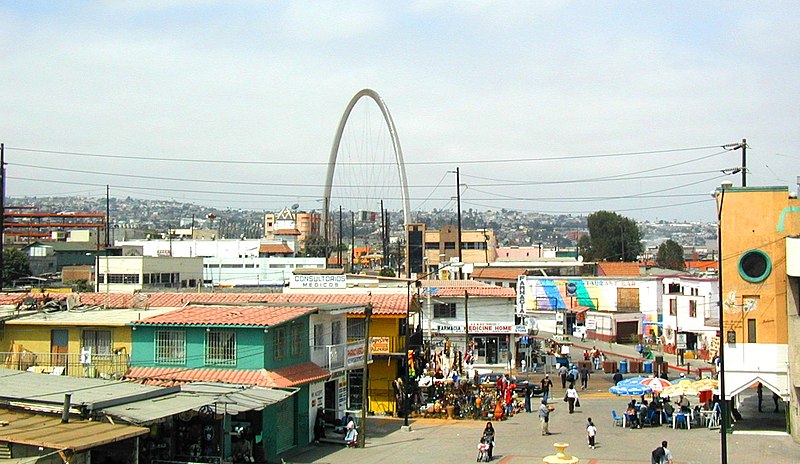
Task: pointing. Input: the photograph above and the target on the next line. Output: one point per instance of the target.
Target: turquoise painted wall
(276, 427)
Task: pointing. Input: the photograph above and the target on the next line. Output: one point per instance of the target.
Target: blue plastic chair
(681, 419)
(618, 420)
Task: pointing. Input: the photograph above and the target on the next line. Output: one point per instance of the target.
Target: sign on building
(318, 281)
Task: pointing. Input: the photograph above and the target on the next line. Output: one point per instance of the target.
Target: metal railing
(338, 357)
(112, 366)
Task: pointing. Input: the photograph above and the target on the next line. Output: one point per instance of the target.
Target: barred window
(99, 341)
(170, 347)
(220, 348)
(336, 333)
(355, 329)
(297, 340)
(444, 310)
(279, 344)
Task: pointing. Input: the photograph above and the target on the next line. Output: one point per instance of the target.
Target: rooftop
(244, 316)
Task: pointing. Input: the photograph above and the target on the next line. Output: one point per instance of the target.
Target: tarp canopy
(224, 398)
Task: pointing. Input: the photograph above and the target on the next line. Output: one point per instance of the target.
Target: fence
(112, 366)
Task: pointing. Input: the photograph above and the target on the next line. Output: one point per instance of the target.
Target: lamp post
(719, 195)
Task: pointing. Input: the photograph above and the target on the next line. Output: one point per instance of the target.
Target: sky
(550, 106)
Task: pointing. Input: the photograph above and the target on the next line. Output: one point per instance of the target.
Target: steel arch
(398, 153)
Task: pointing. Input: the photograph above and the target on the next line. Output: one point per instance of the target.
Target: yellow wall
(36, 337)
(750, 218)
(383, 370)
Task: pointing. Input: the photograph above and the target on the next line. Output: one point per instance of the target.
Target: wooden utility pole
(362, 437)
(744, 163)
(458, 205)
(466, 321)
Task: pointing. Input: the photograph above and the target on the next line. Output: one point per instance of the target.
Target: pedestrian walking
(528, 393)
(571, 397)
(546, 385)
(562, 371)
(591, 433)
(488, 435)
(584, 375)
(775, 398)
(544, 417)
(661, 455)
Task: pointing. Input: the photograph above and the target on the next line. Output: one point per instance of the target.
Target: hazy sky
(520, 96)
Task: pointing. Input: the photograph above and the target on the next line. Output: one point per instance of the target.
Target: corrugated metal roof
(49, 432)
(25, 386)
(258, 316)
(232, 399)
(96, 316)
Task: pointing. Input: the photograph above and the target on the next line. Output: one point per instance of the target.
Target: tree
(15, 264)
(613, 237)
(670, 256)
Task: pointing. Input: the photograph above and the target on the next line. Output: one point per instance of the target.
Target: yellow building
(760, 266)
(440, 247)
(303, 224)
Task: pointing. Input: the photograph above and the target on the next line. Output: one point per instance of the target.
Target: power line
(320, 163)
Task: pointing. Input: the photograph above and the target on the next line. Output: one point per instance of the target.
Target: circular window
(754, 266)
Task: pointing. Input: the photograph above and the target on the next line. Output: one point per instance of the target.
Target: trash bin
(648, 367)
(623, 367)
(586, 364)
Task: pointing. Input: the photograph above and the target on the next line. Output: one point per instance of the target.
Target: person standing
(528, 393)
(572, 397)
(546, 385)
(760, 394)
(562, 371)
(584, 375)
(591, 432)
(544, 417)
(775, 398)
(662, 454)
(488, 435)
(617, 377)
(523, 365)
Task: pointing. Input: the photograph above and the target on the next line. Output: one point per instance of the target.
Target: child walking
(591, 432)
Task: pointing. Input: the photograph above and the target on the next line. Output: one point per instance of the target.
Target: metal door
(59, 347)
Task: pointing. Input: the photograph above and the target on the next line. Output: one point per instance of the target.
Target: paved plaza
(757, 439)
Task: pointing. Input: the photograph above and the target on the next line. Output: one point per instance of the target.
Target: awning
(48, 431)
(231, 399)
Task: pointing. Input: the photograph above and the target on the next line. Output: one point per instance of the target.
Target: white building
(689, 308)
(128, 274)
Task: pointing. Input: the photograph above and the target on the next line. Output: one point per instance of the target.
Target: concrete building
(128, 274)
(292, 223)
(432, 251)
(759, 229)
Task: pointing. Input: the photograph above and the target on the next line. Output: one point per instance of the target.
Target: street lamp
(719, 196)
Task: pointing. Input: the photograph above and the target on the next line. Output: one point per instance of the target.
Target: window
(692, 308)
(473, 245)
(170, 347)
(355, 329)
(297, 340)
(754, 266)
(355, 389)
(444, 310)
(449, 245)
(431, 245)
(336, 333)
(220, 347)
(99, 341)
(319, 334)
(674, 288)
(673, 307)
(751, 331)
(279, 343)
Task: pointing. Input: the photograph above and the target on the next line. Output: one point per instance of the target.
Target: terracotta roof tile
(383, 304)
(274, 248)
(490, 291)
(290, 376)
(286, 232)
(618, 269)
(260, 316)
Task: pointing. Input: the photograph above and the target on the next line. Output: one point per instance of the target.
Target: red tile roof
(612, 269)
(259, 316)
(289, 376)
(286, 232)
(383, 304)
(274, 248)
(490, 291)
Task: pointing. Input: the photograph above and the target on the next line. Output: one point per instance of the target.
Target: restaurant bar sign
(318, 281)
(482, 328)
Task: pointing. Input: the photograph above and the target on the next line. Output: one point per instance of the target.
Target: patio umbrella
(656, 384)
(630, 390)
(684, 387)
(706, 384)
(633, 380)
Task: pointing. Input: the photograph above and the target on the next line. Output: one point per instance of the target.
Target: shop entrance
(491, 348)
(330, 401)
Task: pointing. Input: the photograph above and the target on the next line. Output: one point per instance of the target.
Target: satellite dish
(295, 206)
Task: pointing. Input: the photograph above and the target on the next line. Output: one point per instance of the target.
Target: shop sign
(482, 328)
(318, 281)
(591, 324)
(379, 345)
(681, 341)
(355, 355)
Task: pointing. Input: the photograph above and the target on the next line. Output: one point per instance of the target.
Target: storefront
(493, 342)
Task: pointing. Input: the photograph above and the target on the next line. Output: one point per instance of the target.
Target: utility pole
(108, 214)
(352, 241)
(458, 205)
(362, 437)
(466, 321)
(744, 162)
(339, 240)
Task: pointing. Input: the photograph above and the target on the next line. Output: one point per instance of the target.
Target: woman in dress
(488, 434)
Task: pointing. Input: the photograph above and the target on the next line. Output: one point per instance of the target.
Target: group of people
(595, 356)
(572, 374)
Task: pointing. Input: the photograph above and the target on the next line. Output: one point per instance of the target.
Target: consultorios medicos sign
(318, 281)
(481, 328)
